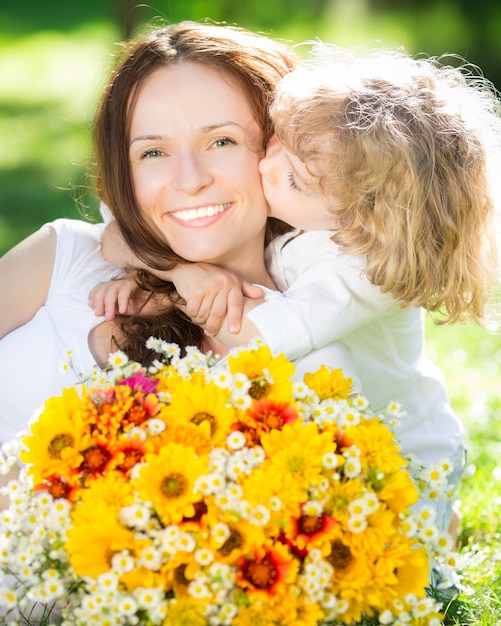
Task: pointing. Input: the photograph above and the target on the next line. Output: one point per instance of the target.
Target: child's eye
(150, 154)
(292, 183)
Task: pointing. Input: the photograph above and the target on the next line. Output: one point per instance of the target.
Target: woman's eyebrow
(204, 129)
(210, 127)
(148, 138)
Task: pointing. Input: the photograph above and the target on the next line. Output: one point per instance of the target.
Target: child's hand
(212, 294)
(123, 296)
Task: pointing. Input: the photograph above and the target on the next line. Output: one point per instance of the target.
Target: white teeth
(193, 214)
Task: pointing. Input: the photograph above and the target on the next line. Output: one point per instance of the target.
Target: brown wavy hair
(407, 149)
(255, 62)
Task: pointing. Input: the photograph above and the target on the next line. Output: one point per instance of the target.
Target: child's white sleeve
(327, 301)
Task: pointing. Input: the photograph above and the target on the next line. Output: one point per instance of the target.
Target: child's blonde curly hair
(407, 147)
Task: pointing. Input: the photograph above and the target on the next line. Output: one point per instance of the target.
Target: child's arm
(327, 297)
(210, 295)
(123, 296)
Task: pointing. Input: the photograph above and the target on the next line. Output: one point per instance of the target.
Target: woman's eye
(224, 141)
(148, 154)
(292, 182)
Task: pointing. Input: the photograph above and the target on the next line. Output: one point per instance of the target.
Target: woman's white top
(325, 298)
(31, 356)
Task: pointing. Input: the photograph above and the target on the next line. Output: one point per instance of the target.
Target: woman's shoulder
(75, 228)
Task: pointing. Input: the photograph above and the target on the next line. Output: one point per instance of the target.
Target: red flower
(266, 415)
(269, 568)
(309, 531)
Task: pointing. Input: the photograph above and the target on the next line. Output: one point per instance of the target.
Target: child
(393, 157)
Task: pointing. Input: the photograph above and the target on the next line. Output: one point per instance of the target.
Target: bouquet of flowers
(193, 493)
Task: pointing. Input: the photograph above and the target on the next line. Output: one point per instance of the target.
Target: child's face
(292, 193)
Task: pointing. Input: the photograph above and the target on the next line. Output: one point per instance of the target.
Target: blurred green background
(54, 57)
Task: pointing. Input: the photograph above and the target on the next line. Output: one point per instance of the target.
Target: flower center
(295, 464)
(337, 504)
(340, 556)
(198, 418)
(95, 459)
(273, 420)
(130, 458)
(200, 510)
(259, 388)
(137, 415)
(234, 541)
(58, 489)
(261, 574)
(310, 524)
(179, 575)
(59, 443)
(173, 485)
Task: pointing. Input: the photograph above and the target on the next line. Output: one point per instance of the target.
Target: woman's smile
(200, 216)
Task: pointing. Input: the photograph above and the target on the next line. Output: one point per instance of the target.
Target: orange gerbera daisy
(265, 571)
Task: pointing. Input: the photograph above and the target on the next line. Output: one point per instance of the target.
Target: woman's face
(194, 151)
(293, 194)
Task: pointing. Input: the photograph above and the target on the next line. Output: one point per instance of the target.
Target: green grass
(471, 359)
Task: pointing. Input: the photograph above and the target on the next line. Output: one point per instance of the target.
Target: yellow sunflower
(185, 612)
(280, 494)
(167, 378)
(187, 434)
(329, 383)
(380, 529)
(398, 492)
(401, 570)
(270, 376)
(202, 404)
(167, 480)
(296, 613)
(112, 489)
(339, 496)
(95, 536)
(240, 538)
(377, 444)
(258, 614)
(57, 438)
(352, 581)
(297, 451)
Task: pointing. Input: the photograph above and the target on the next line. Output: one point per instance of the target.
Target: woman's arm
(25, 276)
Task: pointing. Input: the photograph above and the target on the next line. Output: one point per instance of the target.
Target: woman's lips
(201, 215)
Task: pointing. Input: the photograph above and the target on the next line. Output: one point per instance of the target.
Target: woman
(172, 166)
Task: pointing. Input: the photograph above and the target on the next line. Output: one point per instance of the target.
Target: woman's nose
(192, 174)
